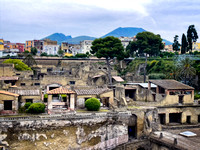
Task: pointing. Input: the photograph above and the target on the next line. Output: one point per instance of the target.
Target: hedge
(92, 104)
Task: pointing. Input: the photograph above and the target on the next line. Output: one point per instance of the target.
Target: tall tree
(108, 48)
(186, 69)
(147, 42)
(184, 44)
(176, 45)
(191, 36)
(33, 50)
(29, 60)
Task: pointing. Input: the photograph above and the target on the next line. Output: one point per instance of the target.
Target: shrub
(19, 65)
(22, 109)
(92, 104)
(157, 76)
(27, 105)
(197, 96)
(81, 55)
(36, 108)
(44, 54)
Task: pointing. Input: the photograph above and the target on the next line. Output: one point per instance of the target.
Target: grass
(134, 107)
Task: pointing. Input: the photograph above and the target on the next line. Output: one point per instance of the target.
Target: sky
(22, 20)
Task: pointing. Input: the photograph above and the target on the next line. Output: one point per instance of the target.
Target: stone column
(149, 85)
(157, 89)
(49, 101)
(167, 118)
(72, 101)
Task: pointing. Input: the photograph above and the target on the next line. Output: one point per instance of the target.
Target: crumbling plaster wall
(64, 134)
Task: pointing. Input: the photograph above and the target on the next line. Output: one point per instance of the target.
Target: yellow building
(1, 44)
(196, 46)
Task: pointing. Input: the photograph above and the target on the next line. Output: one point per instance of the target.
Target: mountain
(59, 37)
(129, 32)
(126, 32)
(167, 42)
(78, 39)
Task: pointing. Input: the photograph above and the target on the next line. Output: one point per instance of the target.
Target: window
(49, 69)
(7, 105)
(37, 84)
(29, 100)
(23, 84)
(72, 82)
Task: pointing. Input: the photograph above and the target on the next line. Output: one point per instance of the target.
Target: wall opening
(132, 127)
(141, 148)
(162, 118)
(29, 100)
(180, 99)
(198, 118)
(188, 119)
(130, 93)
(7, 105)
(175, 118)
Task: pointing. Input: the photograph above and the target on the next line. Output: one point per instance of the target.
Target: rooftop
(95, 91)
(26, 92)
(8, 93)
(171, 84)
(61, 90)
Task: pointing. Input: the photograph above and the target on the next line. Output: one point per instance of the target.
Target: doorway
(162, 118)
(188, 119)
(7, 105)
(175, 118)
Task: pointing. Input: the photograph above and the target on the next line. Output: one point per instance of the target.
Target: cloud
(22, 20)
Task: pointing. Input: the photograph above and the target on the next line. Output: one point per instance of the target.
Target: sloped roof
(9, 78)
(26, 92)
(118, 78)
(171, 85)
(61, 90)
(95, 91)
(8, 93)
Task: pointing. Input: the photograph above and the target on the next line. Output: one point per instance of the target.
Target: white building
(126, 40)
(50, 47)
(86, 46)
(9, 52)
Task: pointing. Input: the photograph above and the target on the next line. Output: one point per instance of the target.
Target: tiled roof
(26, 92)
(96, 91)
(9, 78)
(8, 93)
(61, 90)
(118, 78)
(171, 85)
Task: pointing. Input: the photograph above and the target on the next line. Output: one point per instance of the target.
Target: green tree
(176, 45)
(191, 36)
(92, 104)
(108, 48)
(44, 54)
(147, 42)
(33, 50)
(186, 69)
(60, 52)
(18, 64)
(29, 60)
(184, 44)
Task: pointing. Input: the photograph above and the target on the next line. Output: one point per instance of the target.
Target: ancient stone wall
(80, 133)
